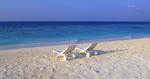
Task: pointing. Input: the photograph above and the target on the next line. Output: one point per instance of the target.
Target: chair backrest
(91, 46)
(69, 49)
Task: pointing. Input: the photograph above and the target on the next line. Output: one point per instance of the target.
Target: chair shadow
(98, 52)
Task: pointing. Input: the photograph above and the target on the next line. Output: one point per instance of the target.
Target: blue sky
(74, 10)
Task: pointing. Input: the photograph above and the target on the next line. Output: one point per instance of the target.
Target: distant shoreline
(57, 44)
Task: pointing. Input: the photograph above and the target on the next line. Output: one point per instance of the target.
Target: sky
(74, 10)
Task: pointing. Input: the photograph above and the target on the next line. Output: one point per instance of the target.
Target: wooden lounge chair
(65, 53)
(87, 50)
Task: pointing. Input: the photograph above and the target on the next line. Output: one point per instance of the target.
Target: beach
(122, 59)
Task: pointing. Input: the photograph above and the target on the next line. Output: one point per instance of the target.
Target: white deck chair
(66, 52)
(87, 49)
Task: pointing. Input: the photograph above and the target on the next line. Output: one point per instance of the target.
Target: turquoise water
(14, 34)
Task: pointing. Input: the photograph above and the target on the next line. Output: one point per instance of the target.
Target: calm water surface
(42, 33)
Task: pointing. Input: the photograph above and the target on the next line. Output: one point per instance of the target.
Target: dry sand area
(124, 59)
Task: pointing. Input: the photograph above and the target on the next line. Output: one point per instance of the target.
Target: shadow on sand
(97, 52)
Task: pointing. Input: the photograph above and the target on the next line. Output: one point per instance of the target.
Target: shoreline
(63, 43)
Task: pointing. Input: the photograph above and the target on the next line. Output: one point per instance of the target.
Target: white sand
(126, 59)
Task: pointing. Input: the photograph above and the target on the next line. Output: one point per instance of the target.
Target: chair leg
(64, 56)
(74, 56)
(88, 55)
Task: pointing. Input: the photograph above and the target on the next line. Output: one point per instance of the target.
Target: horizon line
(77, 21)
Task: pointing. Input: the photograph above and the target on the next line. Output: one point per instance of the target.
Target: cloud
(131, 6)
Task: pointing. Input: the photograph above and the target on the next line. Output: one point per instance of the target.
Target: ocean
(25, 34)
